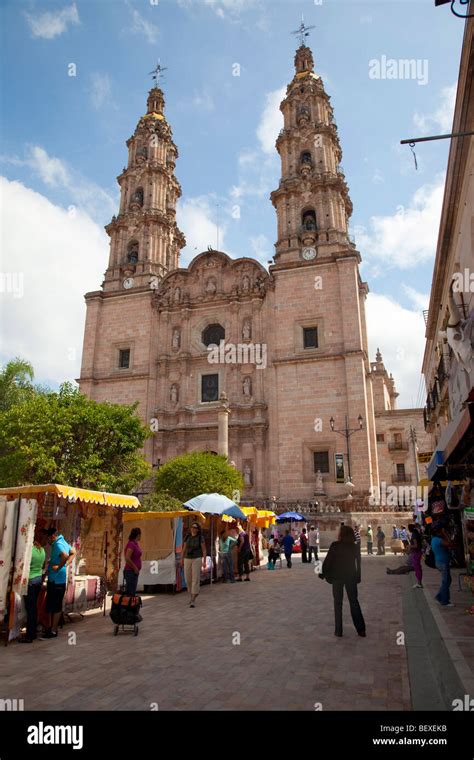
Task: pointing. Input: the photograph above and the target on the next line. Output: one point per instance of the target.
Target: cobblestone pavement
(288, 657)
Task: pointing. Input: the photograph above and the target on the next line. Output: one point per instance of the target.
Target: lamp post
(347, 432)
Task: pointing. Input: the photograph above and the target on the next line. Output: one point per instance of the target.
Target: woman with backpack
(342, 568)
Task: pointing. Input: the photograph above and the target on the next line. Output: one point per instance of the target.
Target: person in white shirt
(313, 543)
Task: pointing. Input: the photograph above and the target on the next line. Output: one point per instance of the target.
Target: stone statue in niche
(247, 474)
(211, 287)
(319, 482)
(177, 295)
(176, 339)
(247, 330)
(174, 393)
(246, 284)
(247, 386)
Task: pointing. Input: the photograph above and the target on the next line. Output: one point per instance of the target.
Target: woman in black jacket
(342, 568)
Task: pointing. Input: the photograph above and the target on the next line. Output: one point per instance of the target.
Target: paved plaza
(288, 657)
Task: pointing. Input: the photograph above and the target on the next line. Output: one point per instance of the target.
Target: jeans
(312, 549)
(31, 605)
(356, 612)
(243, 563)
(369, 547)
(443, 594)
(131, 581)
(288, 559)
(227, 567)
(304, 554)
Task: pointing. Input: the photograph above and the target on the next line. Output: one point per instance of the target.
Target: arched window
(309, 219)
(306, 157)
(137, 196)
(132, 252)
(142, 151)
(212, 335)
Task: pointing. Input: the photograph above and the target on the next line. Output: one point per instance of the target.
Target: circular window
(213, 334)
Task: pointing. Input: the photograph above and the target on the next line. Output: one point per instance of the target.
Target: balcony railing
(398, 446)
(401, 478)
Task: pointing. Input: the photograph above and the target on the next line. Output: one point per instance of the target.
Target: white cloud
(56, 174)
(271, 121)
(101, 90)
(64, 256)
(400, 335)
(225, 9)
(52, 171)
(258, 166)
(52, 23)
(442, 117)
(197, 218)
(420, 300)
(203, 100)
(377, 178)
(143, 27)
(407, 238)
(262, 249)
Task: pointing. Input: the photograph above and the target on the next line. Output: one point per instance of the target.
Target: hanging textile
(24, 545)
(6, 546)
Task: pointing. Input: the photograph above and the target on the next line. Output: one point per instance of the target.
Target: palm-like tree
(15, 382)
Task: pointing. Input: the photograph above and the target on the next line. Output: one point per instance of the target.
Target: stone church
(288, 346)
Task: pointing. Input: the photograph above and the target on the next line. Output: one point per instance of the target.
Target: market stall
(90, 521)
(161, 543)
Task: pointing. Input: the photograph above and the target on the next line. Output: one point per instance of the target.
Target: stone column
(223, 426)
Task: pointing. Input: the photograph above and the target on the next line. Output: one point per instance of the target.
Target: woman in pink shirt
(133, 562)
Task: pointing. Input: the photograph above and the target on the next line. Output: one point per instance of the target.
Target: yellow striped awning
(162, 515)
(73, 494)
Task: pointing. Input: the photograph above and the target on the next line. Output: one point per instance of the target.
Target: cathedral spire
(312, 201)
(145, 240)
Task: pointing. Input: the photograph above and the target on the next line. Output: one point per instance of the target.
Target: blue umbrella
(214, 504)
(291, 517)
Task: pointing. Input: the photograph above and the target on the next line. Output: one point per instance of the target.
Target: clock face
(309, 253)
(128, 283)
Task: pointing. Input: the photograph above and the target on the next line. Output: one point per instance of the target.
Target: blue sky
(63, 144)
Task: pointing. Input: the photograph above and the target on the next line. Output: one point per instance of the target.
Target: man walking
(370, 539)
(380, 541)
(288, 542)
(313, 541)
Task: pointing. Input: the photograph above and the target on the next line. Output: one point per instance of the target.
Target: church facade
(288, 346)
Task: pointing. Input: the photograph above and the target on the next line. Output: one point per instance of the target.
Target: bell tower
(145, 241)
(312, 201)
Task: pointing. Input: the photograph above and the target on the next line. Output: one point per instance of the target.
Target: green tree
(199, 472)
(65, 437)
(160, 501)
(15, 382)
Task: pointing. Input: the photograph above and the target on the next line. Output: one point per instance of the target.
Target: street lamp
(347, 432)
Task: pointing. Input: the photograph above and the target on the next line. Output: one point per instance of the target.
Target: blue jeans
(227, 567)
(131, 581)
(443, 594)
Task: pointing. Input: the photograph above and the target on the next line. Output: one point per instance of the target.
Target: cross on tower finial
(157, 72)
(303, 31)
